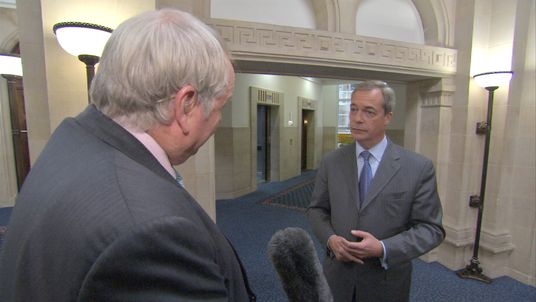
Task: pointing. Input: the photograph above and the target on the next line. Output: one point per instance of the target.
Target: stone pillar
(8, 175)
(347, 13)
(428, 122)
(518, 195)
(475, 22)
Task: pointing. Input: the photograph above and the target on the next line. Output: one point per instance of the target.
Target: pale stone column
(464, 161)
(198, 8)
(518, 195)
(8, 175)
(35, 82)
(347, 11)
(200, 178)
(428, 123)
(330, 116)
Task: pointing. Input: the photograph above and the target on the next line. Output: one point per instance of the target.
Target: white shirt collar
(376, 151)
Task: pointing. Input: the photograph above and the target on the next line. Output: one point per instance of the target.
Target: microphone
(294, 257)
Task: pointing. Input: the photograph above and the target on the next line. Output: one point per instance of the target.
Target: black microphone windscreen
(294, 257)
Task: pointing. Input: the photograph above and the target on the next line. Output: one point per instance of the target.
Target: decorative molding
(264, 42)
(265, 96)
(437, 99)
(437, 93)
(458, 237)
(308, 104)
(494, 243)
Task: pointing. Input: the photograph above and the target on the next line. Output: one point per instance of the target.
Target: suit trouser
(375, 284)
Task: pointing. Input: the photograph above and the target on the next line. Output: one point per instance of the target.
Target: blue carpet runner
(297, 197)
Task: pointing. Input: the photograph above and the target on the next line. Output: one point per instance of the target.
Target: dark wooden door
(304, 140)
(19, 132)
(263, 143)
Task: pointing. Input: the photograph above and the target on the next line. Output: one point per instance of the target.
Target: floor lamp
(489, 81)
(84, 41)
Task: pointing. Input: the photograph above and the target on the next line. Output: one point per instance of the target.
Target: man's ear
(388, 117)
(185, 101)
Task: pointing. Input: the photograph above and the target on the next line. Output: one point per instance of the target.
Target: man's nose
(358, 116)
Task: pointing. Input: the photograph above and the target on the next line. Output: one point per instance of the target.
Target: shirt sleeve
(383, 260)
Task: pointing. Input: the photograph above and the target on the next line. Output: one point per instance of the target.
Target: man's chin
(193, 151)
(184, 157)
(358, 135)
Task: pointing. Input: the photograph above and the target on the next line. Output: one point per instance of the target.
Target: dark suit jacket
(99, 219)
(402, 209)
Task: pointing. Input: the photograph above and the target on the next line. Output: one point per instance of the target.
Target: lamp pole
(473, 270)
(90, 62)
(489, 81)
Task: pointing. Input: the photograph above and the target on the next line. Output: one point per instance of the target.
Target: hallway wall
(235, 159)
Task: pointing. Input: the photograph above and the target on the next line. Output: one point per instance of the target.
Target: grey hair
(389, 99)
(149, 58)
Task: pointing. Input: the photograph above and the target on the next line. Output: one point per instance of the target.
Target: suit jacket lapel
(348, 168)
(101, 126)
(389, 166)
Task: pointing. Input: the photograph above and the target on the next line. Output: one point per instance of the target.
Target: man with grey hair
(101, 216)
(375, 206)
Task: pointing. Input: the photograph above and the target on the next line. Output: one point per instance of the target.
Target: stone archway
(435, 22)
(433, 15)
(326, 14)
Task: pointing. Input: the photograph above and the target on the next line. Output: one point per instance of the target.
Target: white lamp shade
(10, 64)
(79, 38)
(493, 79)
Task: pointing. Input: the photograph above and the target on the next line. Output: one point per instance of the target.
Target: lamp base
(473, 271)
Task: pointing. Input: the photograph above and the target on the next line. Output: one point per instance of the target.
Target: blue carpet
(249, 223)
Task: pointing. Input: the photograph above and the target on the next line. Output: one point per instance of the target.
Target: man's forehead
(367, 95)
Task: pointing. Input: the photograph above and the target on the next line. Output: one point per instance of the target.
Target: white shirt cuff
(383, 260)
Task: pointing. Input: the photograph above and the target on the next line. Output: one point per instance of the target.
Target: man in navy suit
(375, 206)
(101, 216)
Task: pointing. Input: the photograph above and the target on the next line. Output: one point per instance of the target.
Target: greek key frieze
(311, 45)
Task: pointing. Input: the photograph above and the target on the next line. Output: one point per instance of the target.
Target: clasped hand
(345, 250)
